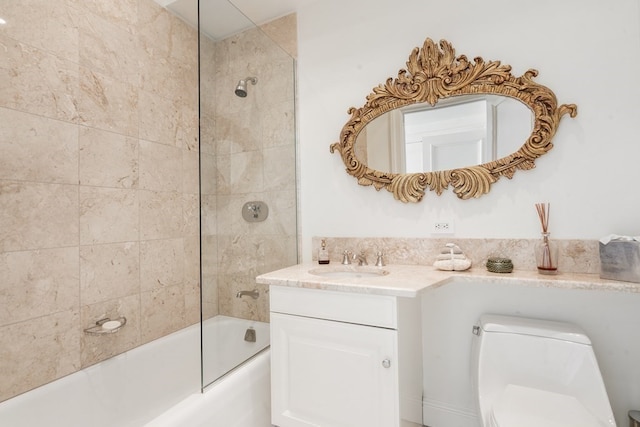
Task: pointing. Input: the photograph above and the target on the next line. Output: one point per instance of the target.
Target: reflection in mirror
(455, 133)
(406, 156)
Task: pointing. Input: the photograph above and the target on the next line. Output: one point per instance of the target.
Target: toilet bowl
(533, 373)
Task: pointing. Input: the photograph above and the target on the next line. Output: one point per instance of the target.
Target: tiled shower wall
(248, 154)
(98, 182)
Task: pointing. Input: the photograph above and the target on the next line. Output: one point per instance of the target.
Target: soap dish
(499, 265)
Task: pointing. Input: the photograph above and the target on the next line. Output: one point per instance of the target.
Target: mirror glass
(449, 122)
(455, 133)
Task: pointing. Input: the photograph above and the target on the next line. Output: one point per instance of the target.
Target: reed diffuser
(546, 250)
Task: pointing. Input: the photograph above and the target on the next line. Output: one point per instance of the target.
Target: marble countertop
(412, 280)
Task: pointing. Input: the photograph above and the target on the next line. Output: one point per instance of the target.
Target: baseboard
(411, 411)
(441, 414)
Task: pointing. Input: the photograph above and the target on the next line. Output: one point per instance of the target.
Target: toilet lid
(529, 407)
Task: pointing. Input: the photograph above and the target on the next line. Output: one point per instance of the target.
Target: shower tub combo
(158, 384)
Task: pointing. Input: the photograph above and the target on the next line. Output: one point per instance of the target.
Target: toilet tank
(546, 355)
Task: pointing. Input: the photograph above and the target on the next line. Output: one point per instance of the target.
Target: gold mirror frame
(434, 73)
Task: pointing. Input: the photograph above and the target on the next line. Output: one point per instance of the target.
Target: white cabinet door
(332, 374)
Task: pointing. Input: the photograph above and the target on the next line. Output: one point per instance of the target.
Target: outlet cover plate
(442, 227)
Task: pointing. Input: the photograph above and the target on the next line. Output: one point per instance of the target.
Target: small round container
(499, 265)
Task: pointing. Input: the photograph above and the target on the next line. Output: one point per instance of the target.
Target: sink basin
(348, 271)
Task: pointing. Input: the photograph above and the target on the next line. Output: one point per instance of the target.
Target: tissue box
(620, 260)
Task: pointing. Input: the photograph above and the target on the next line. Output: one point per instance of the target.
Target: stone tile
(38, 351)
(208, 174)
(281, 220)
(208, 130)
(171, 122)
(36, 148)
(209, 253)
(228, 217)
(96, 348)
(160, 167)
(50, 26)
(160, 30)
(190, 172)
(162, 312)
(209, 297)
(161, 215)
(191, 304)
(240, 173)
(167, 77)
(284, 32)
(37, 216)
(278, 125)
(239, 129)
(108, 215)
(239, 253)
(38, 283)
(208, 215)
(192, 279)
(109, 271)
(38, 82)
(121, 12)
(109, 49)
(280, 168)
(576, 256)
(108, 104)
(191, 212)
(262, 303)
(278, 70)
(579, 256)
(108, 159)
(161, 263)
(280, 252)
(244, 307)
(192, 261)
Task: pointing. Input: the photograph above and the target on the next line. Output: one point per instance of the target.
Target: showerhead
(241, 88)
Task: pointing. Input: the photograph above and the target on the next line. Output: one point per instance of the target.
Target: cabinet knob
(386, 363)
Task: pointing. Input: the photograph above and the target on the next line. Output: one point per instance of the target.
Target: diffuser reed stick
(543, 214)
(545, 254)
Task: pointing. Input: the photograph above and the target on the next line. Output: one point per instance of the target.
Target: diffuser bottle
(546, 255)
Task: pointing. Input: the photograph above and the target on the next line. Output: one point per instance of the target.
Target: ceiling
(222, 18)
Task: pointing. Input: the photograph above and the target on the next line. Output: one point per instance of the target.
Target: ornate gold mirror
(448, 121)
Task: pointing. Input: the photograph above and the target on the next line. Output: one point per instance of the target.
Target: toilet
(534, 373)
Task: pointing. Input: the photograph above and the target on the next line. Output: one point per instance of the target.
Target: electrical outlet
(443, 227)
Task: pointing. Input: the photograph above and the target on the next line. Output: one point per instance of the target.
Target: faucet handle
(345, 257)
(380, 260)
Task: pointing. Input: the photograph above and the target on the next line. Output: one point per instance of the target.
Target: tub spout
(253, 294)
(250, 335)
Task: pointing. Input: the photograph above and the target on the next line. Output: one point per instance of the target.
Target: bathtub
(158, 385)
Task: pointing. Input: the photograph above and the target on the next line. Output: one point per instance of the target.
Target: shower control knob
(386, 363)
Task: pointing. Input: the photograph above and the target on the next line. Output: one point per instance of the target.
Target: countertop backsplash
(576, 256)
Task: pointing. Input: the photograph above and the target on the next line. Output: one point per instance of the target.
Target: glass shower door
(247, 178)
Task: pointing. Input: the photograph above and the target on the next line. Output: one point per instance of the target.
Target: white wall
(610, 319)
(587, 52)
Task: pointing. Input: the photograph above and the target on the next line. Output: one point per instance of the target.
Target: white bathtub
(158, 384)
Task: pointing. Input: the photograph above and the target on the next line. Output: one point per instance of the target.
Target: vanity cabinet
(343, 359)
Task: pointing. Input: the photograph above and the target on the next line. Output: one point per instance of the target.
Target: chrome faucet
(253, 294)
(360, 258)
(345, 257)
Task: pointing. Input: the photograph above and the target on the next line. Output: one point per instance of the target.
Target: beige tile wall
(248, 154)
(98, 182)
